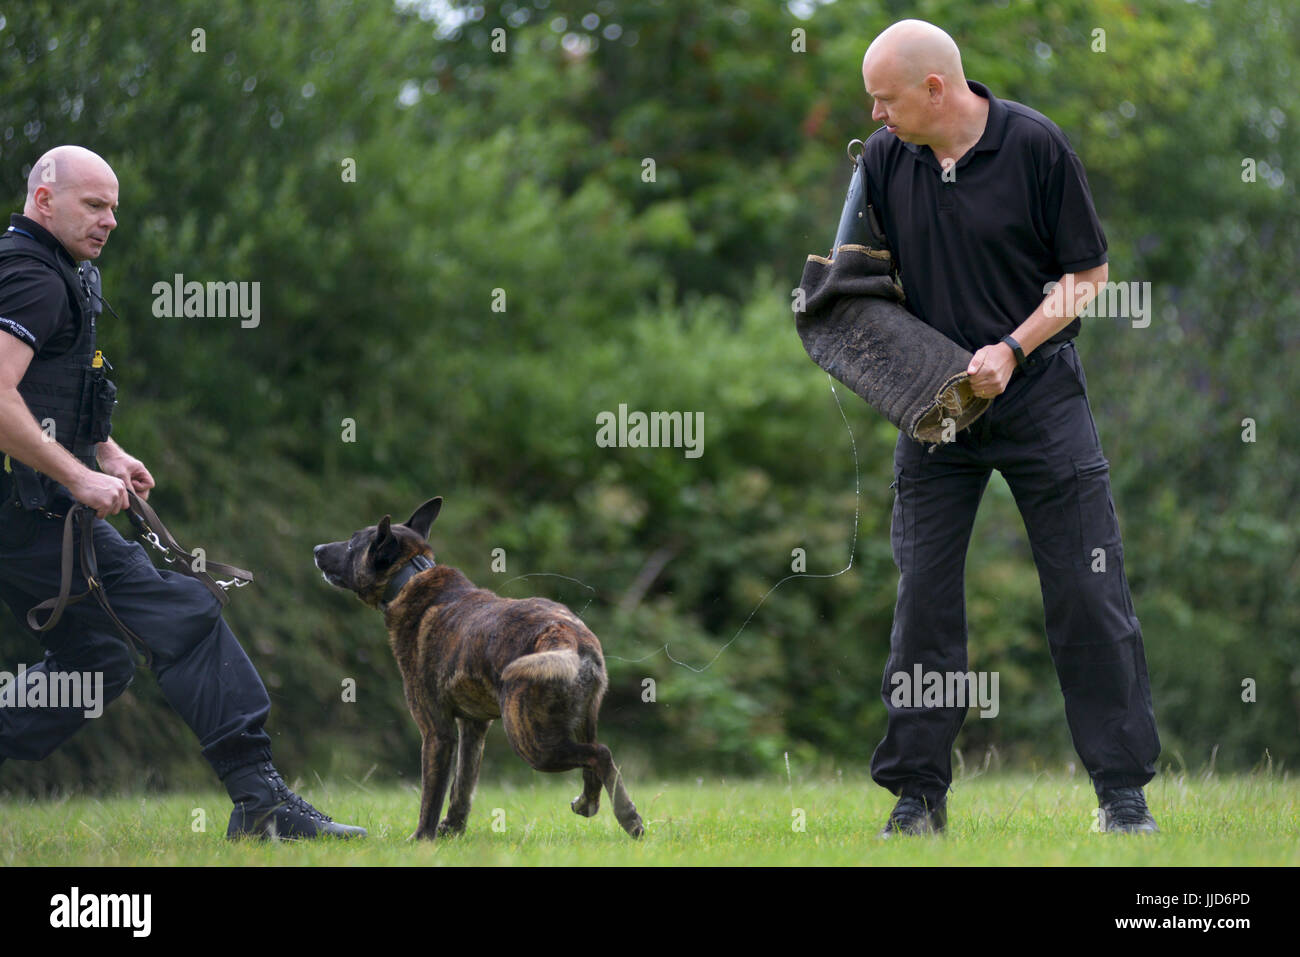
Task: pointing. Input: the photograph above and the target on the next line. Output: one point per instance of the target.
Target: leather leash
(151, 528)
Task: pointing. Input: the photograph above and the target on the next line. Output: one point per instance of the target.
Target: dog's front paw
(420, 835)
(580, 805)
(450, 828)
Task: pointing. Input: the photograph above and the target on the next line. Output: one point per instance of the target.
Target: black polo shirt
(975, 253)
(34, 306)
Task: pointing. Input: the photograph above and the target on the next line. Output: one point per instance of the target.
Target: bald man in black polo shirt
(57, 456)
(985, 205)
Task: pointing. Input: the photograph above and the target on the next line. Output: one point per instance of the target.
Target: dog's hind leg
(547, 747)
(596, 758)
(624, 809)
(588, 802)
(546, 702)
(472, 735)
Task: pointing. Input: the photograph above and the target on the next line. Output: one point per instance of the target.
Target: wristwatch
(1015, 348)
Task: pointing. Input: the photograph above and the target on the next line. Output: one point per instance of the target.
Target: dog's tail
(544, 666)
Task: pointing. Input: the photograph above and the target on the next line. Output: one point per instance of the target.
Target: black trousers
(201, 668)
(1041, 436)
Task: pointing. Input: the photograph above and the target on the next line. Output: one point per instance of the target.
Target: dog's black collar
(420, 563)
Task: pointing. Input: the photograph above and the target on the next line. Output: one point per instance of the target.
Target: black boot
(266, 808)
(1124, 811)
(916, 816)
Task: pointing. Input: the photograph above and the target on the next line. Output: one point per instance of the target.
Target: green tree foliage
(637, 183)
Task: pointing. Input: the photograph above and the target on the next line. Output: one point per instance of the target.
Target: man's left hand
(114, 461)
(990, 370)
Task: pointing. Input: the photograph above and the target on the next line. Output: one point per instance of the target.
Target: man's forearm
(22, 438)
(1059, 307)
(107, 448)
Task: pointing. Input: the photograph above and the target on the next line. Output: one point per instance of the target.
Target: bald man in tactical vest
(985, 205)
(55, 416)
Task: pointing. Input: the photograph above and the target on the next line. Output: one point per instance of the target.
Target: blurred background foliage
(525, 170)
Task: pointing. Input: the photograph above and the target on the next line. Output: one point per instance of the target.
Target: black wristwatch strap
(1015, 347)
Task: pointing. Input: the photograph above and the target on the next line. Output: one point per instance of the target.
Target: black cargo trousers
(200, 666)
(1041, 436)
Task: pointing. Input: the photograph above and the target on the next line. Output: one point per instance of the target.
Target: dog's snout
(321, 554)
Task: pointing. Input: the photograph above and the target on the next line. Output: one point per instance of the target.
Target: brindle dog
(468, 657)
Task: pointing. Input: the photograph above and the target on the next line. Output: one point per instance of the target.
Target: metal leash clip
(152, 530)
(152, 538)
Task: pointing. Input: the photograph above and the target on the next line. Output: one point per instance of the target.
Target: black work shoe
(1124, 811)
(915, 816)
(266, 808)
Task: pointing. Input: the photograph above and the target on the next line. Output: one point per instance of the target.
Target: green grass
(1006, 819)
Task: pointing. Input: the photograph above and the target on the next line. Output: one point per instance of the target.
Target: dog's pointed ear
(385, 546)
(424, 515)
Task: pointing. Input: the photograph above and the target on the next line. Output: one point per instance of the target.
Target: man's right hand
(106, 494)
(23, 439)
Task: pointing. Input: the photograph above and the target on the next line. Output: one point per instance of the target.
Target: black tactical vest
(69, 391)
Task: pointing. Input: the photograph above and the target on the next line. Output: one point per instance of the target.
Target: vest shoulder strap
(74, 280)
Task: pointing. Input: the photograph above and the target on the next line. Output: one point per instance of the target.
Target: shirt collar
(996, 124)
(994, 127)
(41, 235)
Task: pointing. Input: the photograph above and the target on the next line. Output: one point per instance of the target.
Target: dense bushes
(519, 178)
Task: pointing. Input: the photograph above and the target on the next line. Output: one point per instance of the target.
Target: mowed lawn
(1006, 819)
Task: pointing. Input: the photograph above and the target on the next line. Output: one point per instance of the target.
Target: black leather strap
(1045, 352)
(146, 520)
(57, 604)
(420, 563)
(1011, 343)
(85, 519)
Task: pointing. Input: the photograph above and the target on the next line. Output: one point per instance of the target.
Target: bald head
(72, 193)
(66, 166)
(913, 72)
(910, 50)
